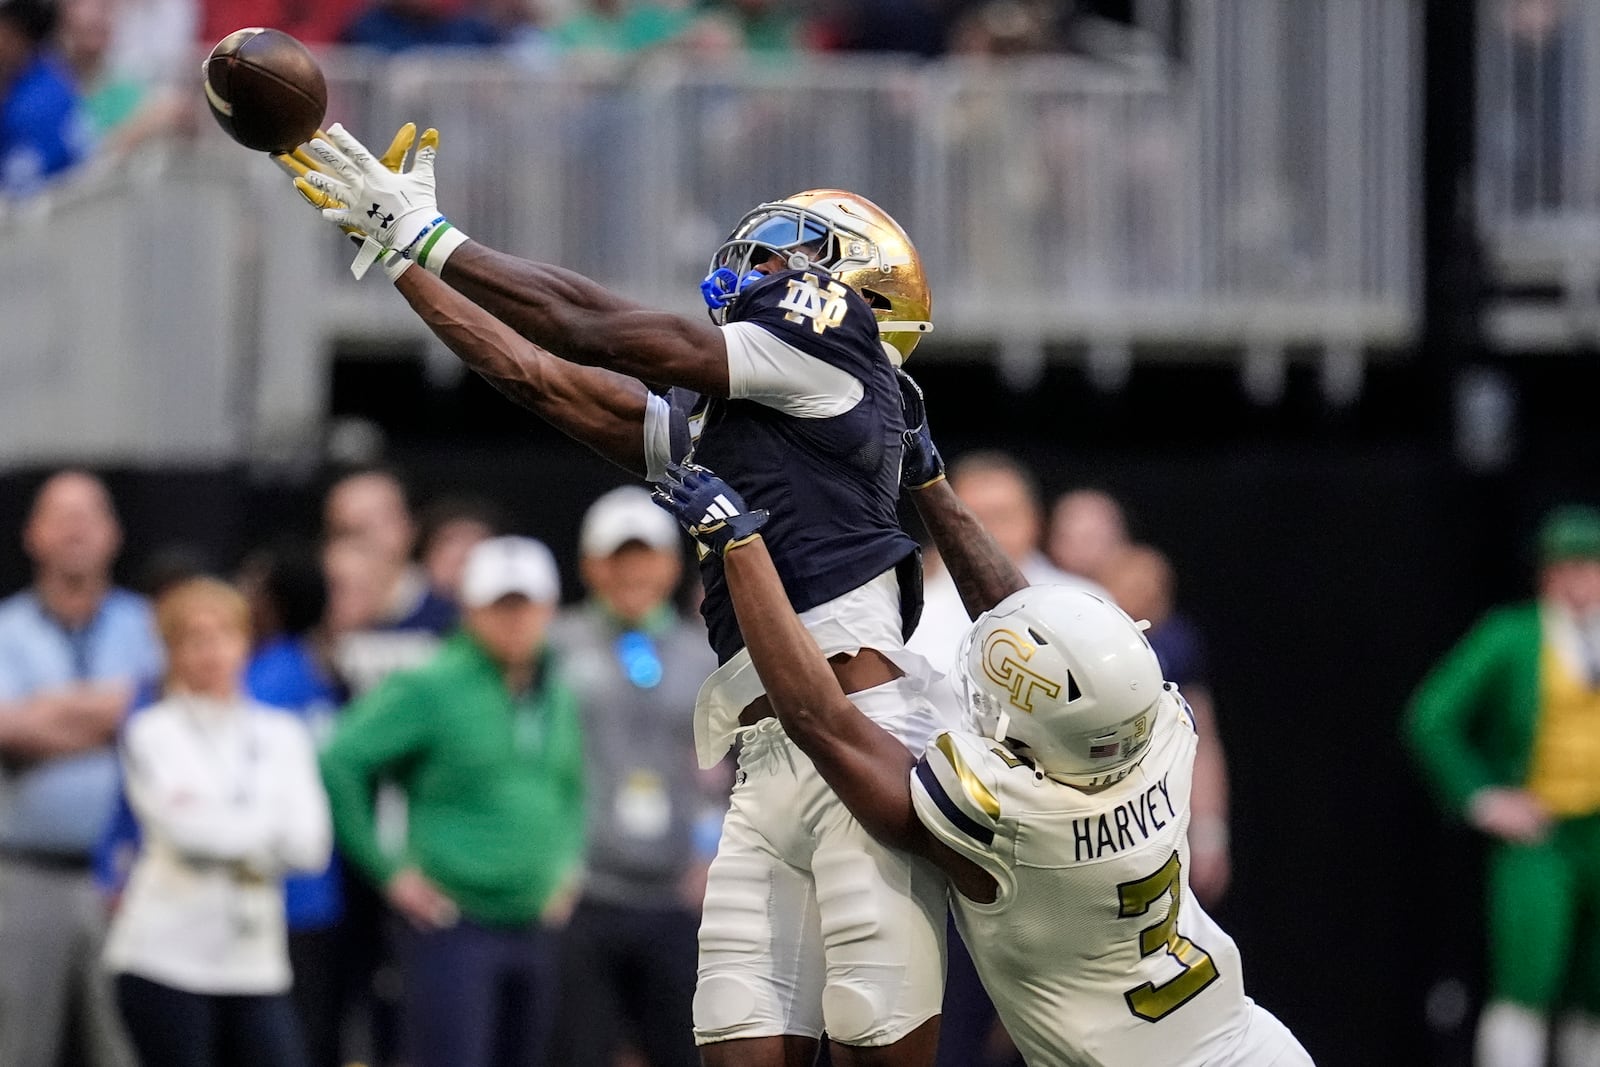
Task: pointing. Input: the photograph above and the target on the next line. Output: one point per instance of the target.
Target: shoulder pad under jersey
(957, 790)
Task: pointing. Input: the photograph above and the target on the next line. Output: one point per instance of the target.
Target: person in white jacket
(229, 799)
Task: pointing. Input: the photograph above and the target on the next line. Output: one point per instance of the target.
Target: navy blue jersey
(830, 483)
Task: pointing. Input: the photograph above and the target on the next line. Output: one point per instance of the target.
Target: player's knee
(854, 1013)
(722, 1003)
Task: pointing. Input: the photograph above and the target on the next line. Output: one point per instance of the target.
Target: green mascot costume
(1507, 730)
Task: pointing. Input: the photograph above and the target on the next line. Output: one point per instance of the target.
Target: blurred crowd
(88, 80)
(383, 798)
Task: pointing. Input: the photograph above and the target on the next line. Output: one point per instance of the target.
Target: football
(265, 89)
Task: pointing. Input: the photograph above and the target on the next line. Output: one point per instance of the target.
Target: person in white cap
(628, 955)
(485, 744)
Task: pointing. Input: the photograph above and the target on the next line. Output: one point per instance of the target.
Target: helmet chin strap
(1001, 725)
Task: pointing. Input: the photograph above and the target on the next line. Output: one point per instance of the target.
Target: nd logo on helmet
(1004, 656)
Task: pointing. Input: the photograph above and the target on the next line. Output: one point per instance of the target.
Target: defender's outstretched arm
(596, 407)
(865, 765)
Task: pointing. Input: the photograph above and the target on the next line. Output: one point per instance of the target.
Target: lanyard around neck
(212, 738)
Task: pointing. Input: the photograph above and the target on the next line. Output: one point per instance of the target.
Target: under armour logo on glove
(384, 220)
(708, 507)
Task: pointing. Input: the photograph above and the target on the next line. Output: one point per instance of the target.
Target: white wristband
(432, 247)
(394, 265)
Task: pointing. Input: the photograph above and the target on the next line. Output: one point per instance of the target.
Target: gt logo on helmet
(1004, 656)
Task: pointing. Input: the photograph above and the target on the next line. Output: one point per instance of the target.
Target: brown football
(265, 89)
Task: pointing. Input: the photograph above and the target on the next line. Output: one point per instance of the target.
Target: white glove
(398, 210)
(299, 164)
(394, 264)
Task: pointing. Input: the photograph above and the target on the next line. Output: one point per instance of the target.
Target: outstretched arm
(866, 766)
(596, 407)
(560, 310)
(586, 323)
(983, 574)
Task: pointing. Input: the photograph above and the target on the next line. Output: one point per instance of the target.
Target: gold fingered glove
(312, 178)
(299, 163)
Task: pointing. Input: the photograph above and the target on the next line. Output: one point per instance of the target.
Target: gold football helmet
(848, 236)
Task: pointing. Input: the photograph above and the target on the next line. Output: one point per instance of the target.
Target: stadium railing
(1537, 186)
(1253, 192)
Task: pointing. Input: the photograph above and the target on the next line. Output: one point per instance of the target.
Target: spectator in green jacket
(1507, 730)
(484, 743)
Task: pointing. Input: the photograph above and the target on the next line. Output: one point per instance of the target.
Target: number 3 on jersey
(1149, 1001)
(806, 299)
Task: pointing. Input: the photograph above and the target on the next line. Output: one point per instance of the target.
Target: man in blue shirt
(372, 537)
(42, 128)
(73, 651)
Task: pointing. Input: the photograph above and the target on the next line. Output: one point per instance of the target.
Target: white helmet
(1069, 675)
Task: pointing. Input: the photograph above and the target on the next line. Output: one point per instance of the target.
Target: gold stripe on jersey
(971, 784)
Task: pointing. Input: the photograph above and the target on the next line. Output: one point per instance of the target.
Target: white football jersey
(1094, 950)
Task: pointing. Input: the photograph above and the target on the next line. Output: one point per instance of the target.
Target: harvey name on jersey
(1128, 825)
(1093, 950)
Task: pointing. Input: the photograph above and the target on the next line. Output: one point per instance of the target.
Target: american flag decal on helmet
(1105, 751)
